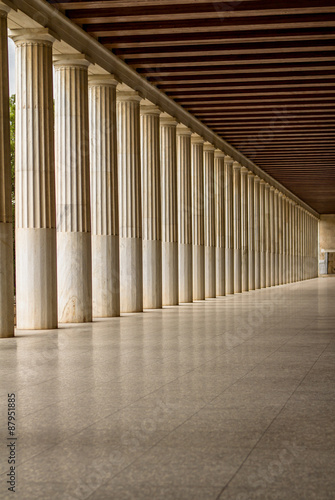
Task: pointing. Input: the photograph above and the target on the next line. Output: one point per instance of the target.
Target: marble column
(209, 222)
(276, 236)
(237, 229)
(290, 241)
(198, 217)
(272, 237)
(6, 218)
(169, 210)
(267, 237)
(257, 232)
(297, 245)
(251, 230)
(229, 224)
(73, 190)
(286, 240)
(104, 196)
(219, 221)
(184, 213)
(151, 205)
(130, 199)
(280, 239)
(35, 208)
(244, 230)
(262, 225)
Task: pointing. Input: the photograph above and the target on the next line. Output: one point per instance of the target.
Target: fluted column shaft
(276, 237)
(6, 218)
(36, 266)
(251, 230)
(209, 219)
(151, 206)
(184, 213)
(130, 199)
(285, 240)
(280, 239)
(198, 221)
(73, 191)
(219, 221)
(104, 196)
(257, 233)
(297, 245)
(237, 229)
(229, 224)
(290, 241)
(267, 236)
(272, 237)
(169, 210)
(244, 230)
(262, 225)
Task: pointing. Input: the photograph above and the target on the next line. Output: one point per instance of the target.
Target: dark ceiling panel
(258, 73)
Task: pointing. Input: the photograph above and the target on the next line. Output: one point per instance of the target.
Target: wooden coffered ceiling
(258, 73)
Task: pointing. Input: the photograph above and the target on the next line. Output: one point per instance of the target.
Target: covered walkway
(230, 398)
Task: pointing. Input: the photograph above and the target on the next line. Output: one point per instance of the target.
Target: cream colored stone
(251, 230)
(237, 229)
(169, 210)
(198, 218)
(219, 221)
(244, 230)
(262, 225)
(104, 197)
(73, 191)
(36, 267)
(184, 169)
(151, 206)
(257, 221)
(209, 222)
(267, 236)
(229, 224)
(130, 203)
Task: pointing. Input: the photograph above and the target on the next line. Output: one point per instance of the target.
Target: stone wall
(326, 241)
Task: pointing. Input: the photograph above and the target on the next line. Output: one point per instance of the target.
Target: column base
(170, 273)
(105, 276)
(210, 275)
(7, 281)
(131, 275)
(74, 277)
(198, 272)
(237, 270)
(229, 255)
(220, 272)
(36, 279)
(152, 274)
(185, 273)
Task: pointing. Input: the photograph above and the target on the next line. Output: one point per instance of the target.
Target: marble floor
(232, 398)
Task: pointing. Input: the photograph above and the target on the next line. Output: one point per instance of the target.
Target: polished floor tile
(230, 398)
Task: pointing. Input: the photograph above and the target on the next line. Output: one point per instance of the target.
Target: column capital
(125, 93)
(208, 147)
(33, 35)
(5, 7)
(236, 165)
(257, 179)
(166, 119)
(272, 188)
(183, 130)
(97, 80)
(219, 154)
(197, 139)
(149, 108)
(228, 160)
(244, 170)
(66, 60)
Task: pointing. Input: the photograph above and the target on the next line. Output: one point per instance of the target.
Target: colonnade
(119, 207)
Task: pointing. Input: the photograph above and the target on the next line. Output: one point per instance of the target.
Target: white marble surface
(170, 273)
(229, 224)
(219, 221)
(245, 217)
(257, 228)
(209, 222)
(237, 228)
(251, 230)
